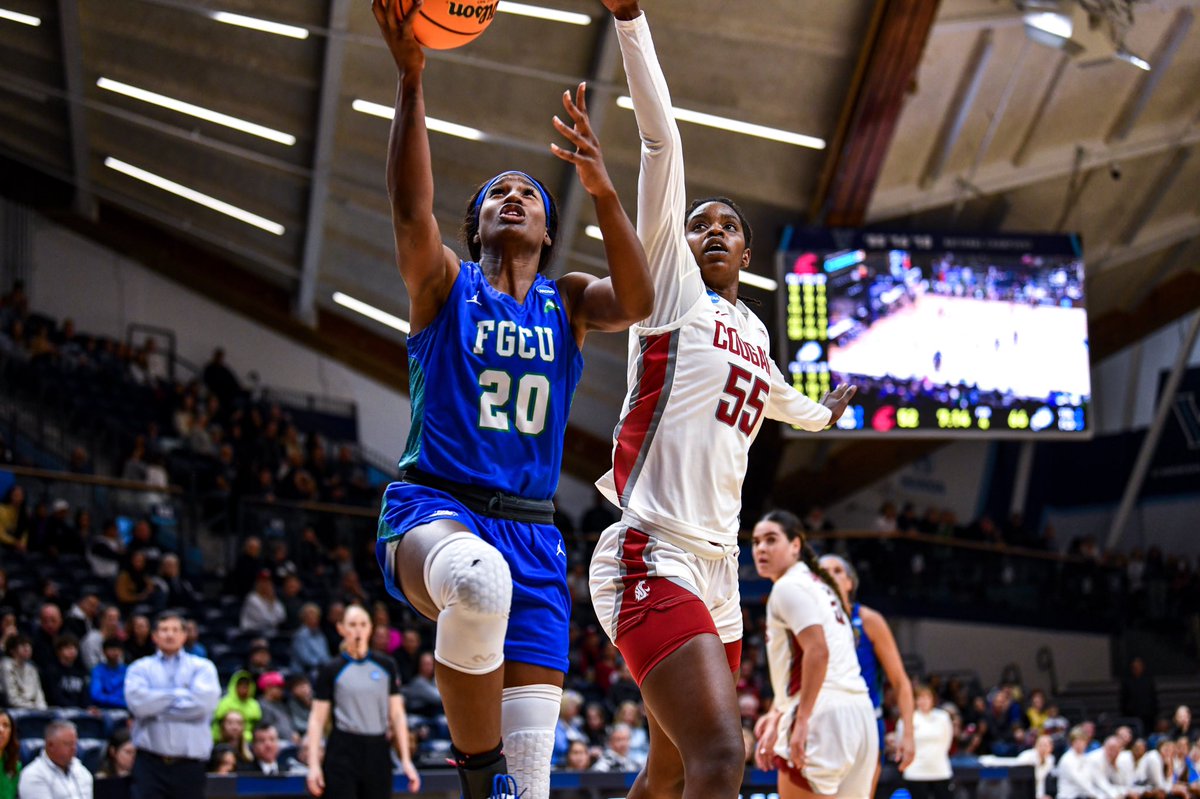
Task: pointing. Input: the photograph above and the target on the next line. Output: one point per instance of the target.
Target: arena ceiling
(940, 115)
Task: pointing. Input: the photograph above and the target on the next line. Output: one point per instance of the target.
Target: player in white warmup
(821, 731)
(664, 580)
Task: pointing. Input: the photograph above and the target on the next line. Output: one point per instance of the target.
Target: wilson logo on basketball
(481, 13)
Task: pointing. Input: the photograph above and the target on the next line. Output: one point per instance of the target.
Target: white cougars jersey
(701, 377)
(799, 599)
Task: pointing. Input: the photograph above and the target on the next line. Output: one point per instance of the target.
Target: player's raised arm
(627, 296)
(427, 266)
(662, 196)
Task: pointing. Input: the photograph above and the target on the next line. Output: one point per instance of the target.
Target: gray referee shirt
(359, 691)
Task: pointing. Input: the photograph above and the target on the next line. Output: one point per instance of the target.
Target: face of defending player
(718, 243)
(512, 214)
(774, 554)
(838, 572)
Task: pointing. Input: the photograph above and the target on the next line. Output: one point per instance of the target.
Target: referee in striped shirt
(360, 692)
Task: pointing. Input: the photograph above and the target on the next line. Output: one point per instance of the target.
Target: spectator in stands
(578, 758)
(10, 756)
(56, 773)
(1139, 698)
(105, 551)
(139, 642)
(83, 615)
(232, 732)
(14, 520)
(1156, 774)
(50, 625)
(171, 697)
(6, 597)
(616, 755)
(311, 558)
(1106, 778)
(173, 587)
(630, 714)
(142, 540)
(1074, 780)
(119, 755)
(239, 697)
(567, 729)
(1183, 725)
(1003, 718)
(929, 775)
(61, 535)
(408, 655)
(421, 693)
(8, 628)
(108, 677)
(262, 612)
(22, 683)
(246, 568)
(885, 522)
(220, 380)
(1035, 714)
(382, 620)
(272, 701)
(595, 726)
(299, 702)
(292, 597)
(66, 680)
(265, 748)
(333, 617)
(193, 644)
(599, 515)
(309, 646)
(1041, 757)
(134, 586)
(224, 759)
(91, 647)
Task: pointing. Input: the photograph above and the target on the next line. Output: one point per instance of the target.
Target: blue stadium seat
(30, 748)
(88, 726)
(32, 723)
(91, 753)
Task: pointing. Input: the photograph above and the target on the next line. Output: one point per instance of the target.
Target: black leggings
(357, 767)
(929, 789)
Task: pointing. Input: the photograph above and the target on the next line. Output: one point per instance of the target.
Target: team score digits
(908, 418)
(528, 411)
(953, 418)
(1018, 419)
(741, 408)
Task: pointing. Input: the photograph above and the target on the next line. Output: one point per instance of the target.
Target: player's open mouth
(715, 246)
(512, 212)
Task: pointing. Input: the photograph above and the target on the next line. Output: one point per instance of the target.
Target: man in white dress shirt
(56, 773)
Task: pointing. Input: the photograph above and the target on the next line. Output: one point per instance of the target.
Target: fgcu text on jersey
(491, 382)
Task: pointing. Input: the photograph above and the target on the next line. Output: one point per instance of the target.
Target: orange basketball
(445, 24)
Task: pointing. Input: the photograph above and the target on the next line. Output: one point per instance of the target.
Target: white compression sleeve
(528, 716)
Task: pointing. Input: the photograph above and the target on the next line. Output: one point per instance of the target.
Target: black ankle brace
(477, 772)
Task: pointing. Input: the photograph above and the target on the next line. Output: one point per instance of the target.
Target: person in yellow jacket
(239, 696)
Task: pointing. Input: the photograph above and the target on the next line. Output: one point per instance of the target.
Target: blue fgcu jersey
(491, 382)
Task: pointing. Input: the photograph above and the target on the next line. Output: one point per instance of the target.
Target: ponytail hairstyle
(794, 529)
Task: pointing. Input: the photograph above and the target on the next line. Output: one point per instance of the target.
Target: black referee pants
(158, 777)
(357, 766)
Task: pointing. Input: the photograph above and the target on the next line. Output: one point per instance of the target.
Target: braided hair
(794, 529)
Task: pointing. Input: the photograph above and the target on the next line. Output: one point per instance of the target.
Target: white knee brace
(469, 582)
(528, 716)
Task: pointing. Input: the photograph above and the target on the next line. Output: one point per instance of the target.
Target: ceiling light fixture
(197, 111)
(737, 126)
(758, 281)
(180, 190)
(264, 25)
(24, 19)
(552, 14)
(371, 312)
(1130, 58)
(435, 125)
(1070, 27)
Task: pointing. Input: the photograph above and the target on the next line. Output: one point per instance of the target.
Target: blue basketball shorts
(537, 558)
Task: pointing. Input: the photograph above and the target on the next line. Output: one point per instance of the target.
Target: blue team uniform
(491, 382)
(869, 663)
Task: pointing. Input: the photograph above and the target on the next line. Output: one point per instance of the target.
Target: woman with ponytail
(820, 733)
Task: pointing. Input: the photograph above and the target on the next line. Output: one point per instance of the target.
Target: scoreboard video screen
(944, 334)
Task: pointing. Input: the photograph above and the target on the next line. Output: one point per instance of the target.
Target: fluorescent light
(737, 126)
(593, 231)
(436, 125)
(1051, 22)
(264, 25)
(371, 312)
(1130, 58)
(552, 14)
(197, 111)
(195, 196)
(758, 281)
(24, 19)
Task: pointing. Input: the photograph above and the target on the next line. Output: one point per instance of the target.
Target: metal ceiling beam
(1177, 32)
(960, 106)
(304, 307)
(1136, 251)
(891, 51)
(1039, 113)
(1001, 177)
(1158, 189)
(606, 58)
(72, 54)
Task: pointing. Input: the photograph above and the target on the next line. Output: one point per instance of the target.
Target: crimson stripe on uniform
(797, 667)
(657, 370)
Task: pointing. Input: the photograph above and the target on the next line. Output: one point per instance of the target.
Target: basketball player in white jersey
(701, 380)
(821, 731)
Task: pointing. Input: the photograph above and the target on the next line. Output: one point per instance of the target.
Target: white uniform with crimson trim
(701, 380)
(842, 747)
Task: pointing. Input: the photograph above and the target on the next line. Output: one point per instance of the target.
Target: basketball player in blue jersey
(466, 537)
(877, 655)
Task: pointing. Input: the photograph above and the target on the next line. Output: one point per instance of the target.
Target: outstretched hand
(837, 400)
(623, 9)
(396, 27)
(587, 158)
